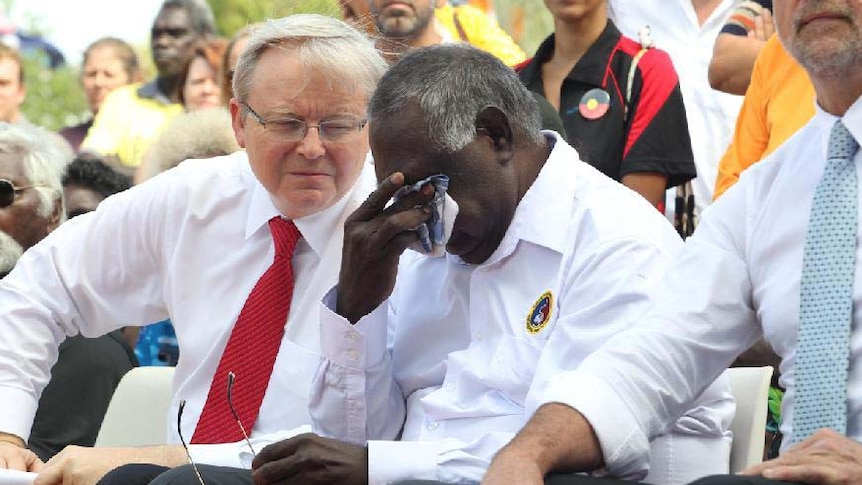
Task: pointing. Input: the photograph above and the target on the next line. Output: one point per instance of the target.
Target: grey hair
(198, 134)
(44, 156)
(452, 83)
(326, 44)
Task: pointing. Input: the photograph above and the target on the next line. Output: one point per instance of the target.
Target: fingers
(21, 459)
(803, 474)
(50, 475)
(278, 450)
(377, 200)
(768, 24)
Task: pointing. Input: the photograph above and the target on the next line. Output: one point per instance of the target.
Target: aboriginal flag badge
(594, 104)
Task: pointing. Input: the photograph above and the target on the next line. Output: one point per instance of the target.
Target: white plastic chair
(750, 387)
(138, 412)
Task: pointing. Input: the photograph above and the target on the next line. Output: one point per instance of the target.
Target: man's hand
(826, 458)
(311, 459)
(78, 465)
(374, 238)
(14, 456)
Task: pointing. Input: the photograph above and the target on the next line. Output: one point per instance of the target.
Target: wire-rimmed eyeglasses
(231, 377)
(8, 190)
(294, 129)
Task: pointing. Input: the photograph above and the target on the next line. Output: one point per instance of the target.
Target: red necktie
(252, 346)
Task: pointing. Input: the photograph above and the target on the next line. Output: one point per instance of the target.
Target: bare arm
(733, 56)
(649, 184)
(556, 439)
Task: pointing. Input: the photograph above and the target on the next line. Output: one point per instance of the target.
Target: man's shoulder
(601, 209)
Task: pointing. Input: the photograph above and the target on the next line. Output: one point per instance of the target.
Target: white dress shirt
(463, 373)
(188, 245)
(711, 114)
(737, 279)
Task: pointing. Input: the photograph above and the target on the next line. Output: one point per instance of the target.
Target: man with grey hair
(236, 251)
(428, 374)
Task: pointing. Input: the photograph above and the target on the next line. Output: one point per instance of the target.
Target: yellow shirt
(128, 123)
(481, 32)
(779, 100)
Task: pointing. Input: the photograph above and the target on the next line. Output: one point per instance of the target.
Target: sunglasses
(8, 191)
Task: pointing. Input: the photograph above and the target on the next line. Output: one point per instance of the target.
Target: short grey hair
(334, 48)
(452, 84)
(205, 133)
(44, 156)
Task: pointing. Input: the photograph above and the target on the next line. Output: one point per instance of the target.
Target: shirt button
(479, 336)
(352, 336)
(352, 355)
(432, 426)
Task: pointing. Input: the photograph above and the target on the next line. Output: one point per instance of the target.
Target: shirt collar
(150, 90)
(590, 69)
(543, 216)
(852, 119)
(317, 229)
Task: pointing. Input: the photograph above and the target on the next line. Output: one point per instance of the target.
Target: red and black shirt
(652, 136)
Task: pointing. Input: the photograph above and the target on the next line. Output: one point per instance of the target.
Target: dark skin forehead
(175, 21)
(400, 143)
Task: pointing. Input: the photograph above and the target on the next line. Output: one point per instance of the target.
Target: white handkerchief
(433, 234)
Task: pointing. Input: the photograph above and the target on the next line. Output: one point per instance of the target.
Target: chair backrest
(138, 412)
(750, 387)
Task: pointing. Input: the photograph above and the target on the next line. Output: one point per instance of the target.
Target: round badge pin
(594, 104)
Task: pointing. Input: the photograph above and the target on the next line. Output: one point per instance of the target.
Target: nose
(311, 146)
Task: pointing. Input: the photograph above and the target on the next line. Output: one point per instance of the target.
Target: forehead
(172, 18)
(9, 68)
(399, 142)
(12, 168)
(102, 55)
(281, 82)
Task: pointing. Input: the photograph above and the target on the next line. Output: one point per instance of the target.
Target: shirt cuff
(625, 446)
(392, 461)
(19, 411)
(359, 346)
(238, 454)
(224, 454)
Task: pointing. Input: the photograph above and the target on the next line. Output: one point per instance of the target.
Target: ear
(237, 121)
(56, 215)
(494, 124)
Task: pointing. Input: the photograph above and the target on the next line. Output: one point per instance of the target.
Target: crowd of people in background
(310, 152)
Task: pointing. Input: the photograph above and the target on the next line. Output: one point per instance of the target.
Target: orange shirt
(779, 100)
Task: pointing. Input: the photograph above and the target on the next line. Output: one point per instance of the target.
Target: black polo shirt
(651, 137)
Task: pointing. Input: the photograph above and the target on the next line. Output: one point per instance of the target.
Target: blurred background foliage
(54, 97)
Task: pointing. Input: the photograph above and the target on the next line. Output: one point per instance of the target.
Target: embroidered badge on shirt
(540, 313)
(594, 104)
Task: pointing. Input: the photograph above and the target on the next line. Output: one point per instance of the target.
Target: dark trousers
(146, 474)
(572, 479)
